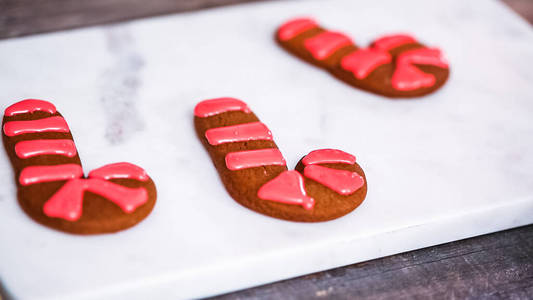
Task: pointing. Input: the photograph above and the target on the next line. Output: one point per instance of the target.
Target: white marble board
(452, 165)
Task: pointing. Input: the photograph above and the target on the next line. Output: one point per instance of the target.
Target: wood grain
(522, 7)
(494, 266)
(24, 17)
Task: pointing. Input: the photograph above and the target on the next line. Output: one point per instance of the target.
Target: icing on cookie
(122, 170)
(423, 56)
(39, 174)
(363, 61)
(294, 27)
(30, 106)
(67, 202)
(326, 43)
(325, 156)
(31, 148)
(238, 133)
(341, 181)
(408, 77)
(217, 106)
(254, 158)
(388, 42)
(373, 68)
(52, 124)
(288, 188)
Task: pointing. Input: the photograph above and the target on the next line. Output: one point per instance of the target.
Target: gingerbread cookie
(393, 66)
(52, 188)
(326, 184)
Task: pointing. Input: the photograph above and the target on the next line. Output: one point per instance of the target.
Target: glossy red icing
(341, 181)
(328, 156)
(326, 43)
(238, 133)
(30, 106)
(423, 56)
(52, 124)
(288, 188)
(363, 61)
(67, 202)
(254, 158)
(31, 148)
(217, 106)
(294, 27)
(388, 42)
(408, 77)
(39, 174)
(120, 170)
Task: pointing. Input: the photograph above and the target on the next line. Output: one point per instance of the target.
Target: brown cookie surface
(395, 66)
(52, 188)
(255, 174)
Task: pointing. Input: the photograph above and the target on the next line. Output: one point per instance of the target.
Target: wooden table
(498, 265)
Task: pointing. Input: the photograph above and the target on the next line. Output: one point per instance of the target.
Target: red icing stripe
(324, 156)
(326, 43)
(52, 124)
(388, 42)
(363, 61)
(238, 133)
(119, 170)
(38, 174)
(217, 106)
(341, 181)
(67, 202)
(423, 56)
(31, 148)
(30, 106)
(294, 27)
(288, 188)
(408, 77)
(254, 158)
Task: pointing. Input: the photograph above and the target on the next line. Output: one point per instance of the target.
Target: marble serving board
(448, 166)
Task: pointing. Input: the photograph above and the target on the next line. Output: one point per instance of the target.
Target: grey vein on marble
(120, 84)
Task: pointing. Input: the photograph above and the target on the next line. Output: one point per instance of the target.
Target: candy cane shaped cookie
(395, 66)
(52, 188)
(326, 184)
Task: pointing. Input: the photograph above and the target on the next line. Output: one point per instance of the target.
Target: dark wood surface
(24, 17)
(494, 266)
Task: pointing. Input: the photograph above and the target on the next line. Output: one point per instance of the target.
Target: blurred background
(23, 17)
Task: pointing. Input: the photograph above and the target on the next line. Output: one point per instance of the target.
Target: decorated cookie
(52, 187)
(326, 184)
(393, 66)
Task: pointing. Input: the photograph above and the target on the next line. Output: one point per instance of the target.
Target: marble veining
(120, 85)
(444, 167)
